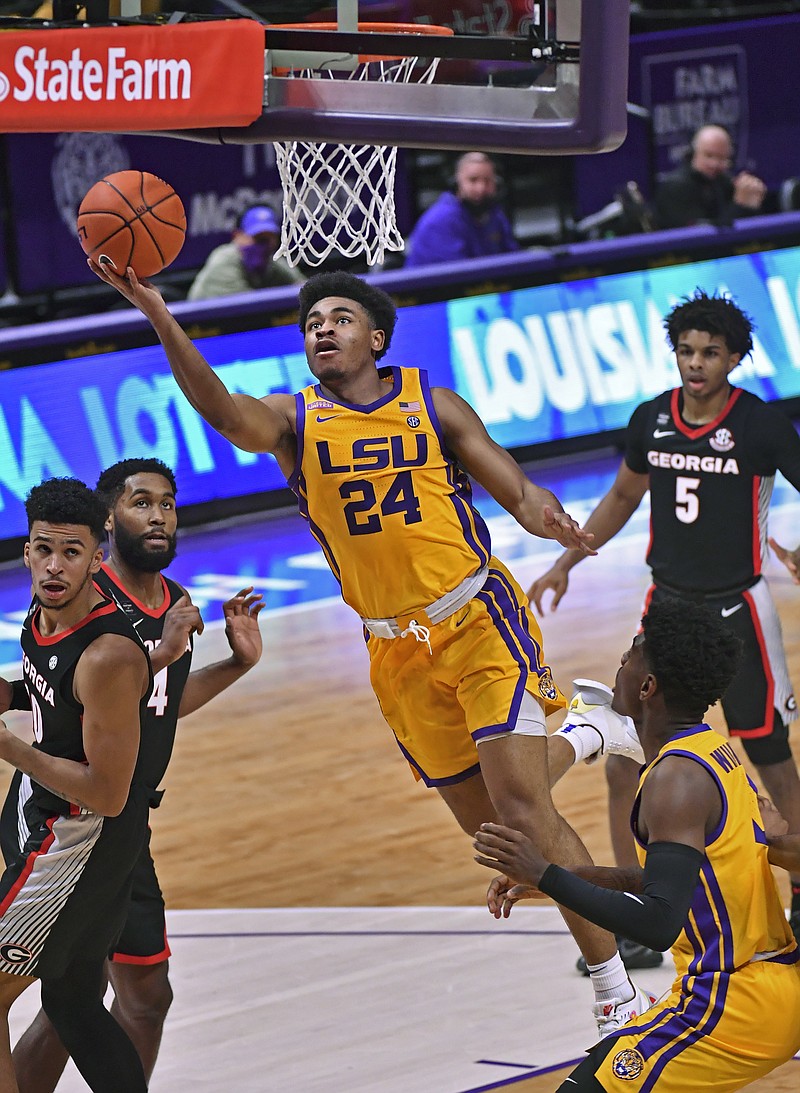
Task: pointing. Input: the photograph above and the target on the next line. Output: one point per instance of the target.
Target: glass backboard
(514, 76)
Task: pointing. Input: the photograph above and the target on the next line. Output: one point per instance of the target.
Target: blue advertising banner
(537, 364)
(51, 173)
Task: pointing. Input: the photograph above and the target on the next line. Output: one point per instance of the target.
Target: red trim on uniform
(19, 883)
(757, 559)
(40, 639)
(157, 958)
(766, 728)
(154, 614)
(699, 430)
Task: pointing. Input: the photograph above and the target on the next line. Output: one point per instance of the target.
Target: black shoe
(639, 956)
(794, 923)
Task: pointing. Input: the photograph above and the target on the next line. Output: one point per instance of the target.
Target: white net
(340, 197)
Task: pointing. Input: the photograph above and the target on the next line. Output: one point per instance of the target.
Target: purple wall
(740, 75)
(50, 173)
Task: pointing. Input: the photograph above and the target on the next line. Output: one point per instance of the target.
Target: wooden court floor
(289, 792)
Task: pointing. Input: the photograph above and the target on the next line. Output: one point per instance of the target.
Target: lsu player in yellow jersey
(381, 466)
(706, 887)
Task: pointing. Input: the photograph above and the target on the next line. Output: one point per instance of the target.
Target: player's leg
(622, 780)
(11, 987)
(591, 728)
(101, 1051)
(138, 967)
(39, 1057)
(759, 704)
(142, 998)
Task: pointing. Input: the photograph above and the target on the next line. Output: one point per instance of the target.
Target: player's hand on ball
(141, 293)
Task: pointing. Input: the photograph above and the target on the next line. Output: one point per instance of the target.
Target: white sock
(584, 739)
(610, 980)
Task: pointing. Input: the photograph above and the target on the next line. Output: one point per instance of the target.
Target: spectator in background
(469, 223)
(703, 191)
(247, 261)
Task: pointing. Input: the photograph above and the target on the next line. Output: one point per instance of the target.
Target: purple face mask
(255, 257)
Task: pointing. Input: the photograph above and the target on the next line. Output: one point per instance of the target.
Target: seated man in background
(703, 191)
(247, 261)
(469, 223)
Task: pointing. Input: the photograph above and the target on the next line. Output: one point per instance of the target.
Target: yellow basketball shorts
(731, 1030)
(482, 659)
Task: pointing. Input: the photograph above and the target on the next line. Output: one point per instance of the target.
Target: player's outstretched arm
(255, 425)
(538, 510)
(611, 514)
(110, 730)
(244, 637)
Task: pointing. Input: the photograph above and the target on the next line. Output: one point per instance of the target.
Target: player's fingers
(490, 863)
(781, 553)
(498, 833)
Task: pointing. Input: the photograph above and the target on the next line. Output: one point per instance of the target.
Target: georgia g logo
(627, 1064)
(14, 954)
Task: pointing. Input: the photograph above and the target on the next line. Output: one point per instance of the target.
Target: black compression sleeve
(654, 918)
(20, 699)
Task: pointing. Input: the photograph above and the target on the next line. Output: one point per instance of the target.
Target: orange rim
(369, 28)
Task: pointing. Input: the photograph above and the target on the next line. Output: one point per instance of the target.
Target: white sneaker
(591, 705)
(612, 1015)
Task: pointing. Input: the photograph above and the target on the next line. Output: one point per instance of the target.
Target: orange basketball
(132, 218)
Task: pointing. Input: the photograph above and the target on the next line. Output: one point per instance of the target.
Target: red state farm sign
(129, 78)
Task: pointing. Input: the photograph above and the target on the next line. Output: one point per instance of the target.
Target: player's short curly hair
(378, 305)
(716, 314)
(693, 655)
(67, 501)
(111, 483)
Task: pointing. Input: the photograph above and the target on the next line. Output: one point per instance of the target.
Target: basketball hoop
(341, 196)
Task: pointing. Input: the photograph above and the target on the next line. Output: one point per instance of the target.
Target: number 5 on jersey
(687, 503)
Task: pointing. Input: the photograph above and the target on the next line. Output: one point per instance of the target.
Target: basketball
(132, 218)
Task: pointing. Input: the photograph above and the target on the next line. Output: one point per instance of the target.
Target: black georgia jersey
(161, 715)
(48, 666)
(710, 487)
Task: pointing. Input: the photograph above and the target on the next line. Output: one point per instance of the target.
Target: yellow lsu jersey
(733, 1013)
(388, 504)
(736, 915)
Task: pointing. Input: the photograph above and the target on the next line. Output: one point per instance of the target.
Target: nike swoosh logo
(658, 433)
(726, 611)
(328, 418)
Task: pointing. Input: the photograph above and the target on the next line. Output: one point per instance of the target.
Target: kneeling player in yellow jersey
(706, 887)
(380, 462)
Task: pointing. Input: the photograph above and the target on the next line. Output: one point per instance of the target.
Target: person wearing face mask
(247, 261)
(469, 223)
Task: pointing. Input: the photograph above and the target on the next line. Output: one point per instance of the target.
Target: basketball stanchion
(340, 197)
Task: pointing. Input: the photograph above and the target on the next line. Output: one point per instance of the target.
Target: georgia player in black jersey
(82, 816)
(142, 527)
(709, 452)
